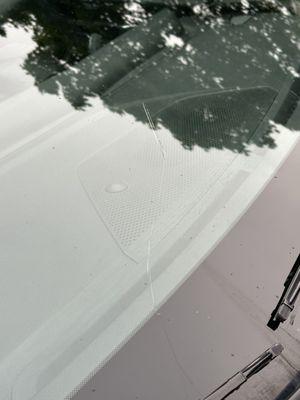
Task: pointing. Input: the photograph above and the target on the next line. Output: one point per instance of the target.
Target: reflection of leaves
(66, 60)
(2, 31)
(223, 120)
(62, 30)
(93, 75)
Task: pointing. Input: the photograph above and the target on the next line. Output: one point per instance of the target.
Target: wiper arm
(242, 376)
(288, 298)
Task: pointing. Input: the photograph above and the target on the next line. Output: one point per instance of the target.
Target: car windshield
(133, 135)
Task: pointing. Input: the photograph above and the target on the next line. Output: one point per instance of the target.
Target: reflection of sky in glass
(14, 49)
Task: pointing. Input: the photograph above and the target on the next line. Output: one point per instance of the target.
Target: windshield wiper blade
(243, 375)
(288, 298)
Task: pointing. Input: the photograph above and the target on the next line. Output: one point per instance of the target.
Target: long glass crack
(288, 298)
(242, 376)
(149, 247)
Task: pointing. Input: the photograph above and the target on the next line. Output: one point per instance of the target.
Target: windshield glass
(133, 135)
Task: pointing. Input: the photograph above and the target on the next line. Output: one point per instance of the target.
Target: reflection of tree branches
(63, 29)
(222, 120)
